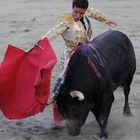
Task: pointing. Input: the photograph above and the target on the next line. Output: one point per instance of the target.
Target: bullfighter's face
(78, 13)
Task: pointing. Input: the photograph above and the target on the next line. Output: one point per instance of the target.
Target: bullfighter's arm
(55, 31)
(96, 14)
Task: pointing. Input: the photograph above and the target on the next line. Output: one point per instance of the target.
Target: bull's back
(118, 52)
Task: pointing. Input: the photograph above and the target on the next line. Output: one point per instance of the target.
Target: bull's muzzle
(73, 127)
(73, 131)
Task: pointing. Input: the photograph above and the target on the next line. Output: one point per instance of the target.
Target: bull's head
(74, 109)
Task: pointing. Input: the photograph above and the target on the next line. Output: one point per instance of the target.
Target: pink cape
(25, 80)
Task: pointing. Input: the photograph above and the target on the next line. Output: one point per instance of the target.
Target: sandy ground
(22, 22)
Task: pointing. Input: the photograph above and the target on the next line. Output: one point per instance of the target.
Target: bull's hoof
(103, 138)
(104, 135)
(127, 110)
(127, 113)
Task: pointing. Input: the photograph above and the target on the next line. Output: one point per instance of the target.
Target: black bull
(95, 70)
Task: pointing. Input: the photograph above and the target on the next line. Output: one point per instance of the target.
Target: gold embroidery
(56, 31)
(68, 19)
(93, 13)
(79, 32)
(71, 43)
(81, 39)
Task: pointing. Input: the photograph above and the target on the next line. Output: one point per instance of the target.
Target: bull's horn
(78, 94)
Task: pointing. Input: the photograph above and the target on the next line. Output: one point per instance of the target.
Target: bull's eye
(73, 111)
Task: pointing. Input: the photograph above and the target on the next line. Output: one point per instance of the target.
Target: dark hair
(80, 4)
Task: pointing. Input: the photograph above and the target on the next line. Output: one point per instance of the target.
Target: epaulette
(68, 19)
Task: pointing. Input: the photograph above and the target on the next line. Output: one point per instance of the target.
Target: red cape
(25, 80)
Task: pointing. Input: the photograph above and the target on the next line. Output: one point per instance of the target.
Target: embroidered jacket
(73, 32)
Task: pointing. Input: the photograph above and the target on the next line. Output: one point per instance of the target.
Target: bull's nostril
(74, 133)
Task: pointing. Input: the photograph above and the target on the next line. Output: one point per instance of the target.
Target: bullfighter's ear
(78, 94)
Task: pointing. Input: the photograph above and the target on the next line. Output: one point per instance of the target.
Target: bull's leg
(101, 113)
(126, 85)
(126, 110)
(102, 123)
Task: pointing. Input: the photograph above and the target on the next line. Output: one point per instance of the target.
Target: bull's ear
(78, 94)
